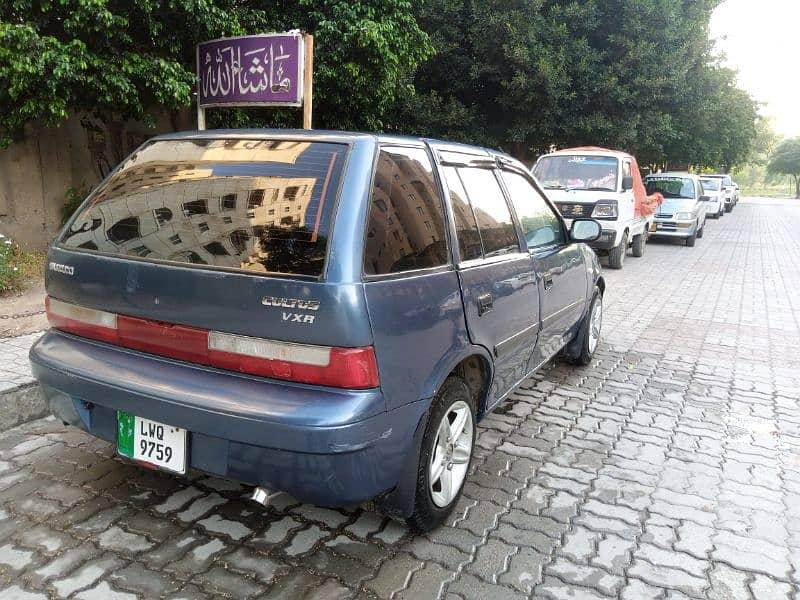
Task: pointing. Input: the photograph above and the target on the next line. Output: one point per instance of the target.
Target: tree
(530, 74)
(134, 58)
(786, 161)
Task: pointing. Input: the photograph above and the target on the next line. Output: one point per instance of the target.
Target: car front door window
(540, 224)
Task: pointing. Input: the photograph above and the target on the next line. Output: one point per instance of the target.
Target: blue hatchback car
(324, 313)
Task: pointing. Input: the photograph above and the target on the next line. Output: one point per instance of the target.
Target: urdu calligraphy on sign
(251, 70)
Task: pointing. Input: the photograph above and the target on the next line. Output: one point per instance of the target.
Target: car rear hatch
(214, 251)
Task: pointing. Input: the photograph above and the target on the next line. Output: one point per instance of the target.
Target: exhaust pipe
(260, 495)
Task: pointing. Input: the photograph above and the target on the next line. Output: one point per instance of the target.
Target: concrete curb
(22, 404)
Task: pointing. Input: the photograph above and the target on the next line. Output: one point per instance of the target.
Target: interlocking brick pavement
(669, 468)
(15, 370)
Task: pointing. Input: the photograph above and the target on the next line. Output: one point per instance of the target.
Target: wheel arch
(399, 501)
(473, 364)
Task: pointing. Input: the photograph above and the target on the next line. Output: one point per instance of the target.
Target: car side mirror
(627, 183)
(585, 230)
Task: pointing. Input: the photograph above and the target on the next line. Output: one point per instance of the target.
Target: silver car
(683, 212)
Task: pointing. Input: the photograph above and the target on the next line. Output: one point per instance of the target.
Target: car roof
(322, 135)
(591, 151)
(679, 174)
(319, 135)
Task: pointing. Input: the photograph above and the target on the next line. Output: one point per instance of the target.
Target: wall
(36, 172)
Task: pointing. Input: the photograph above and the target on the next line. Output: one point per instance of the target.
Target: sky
(761, 39)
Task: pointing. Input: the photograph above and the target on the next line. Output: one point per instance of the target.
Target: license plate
(653, 227)
(151, 442)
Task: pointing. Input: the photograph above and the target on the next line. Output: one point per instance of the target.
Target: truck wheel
(616, 256)
(445, 455)
(582, 347)
(637, 246)
(691, 239)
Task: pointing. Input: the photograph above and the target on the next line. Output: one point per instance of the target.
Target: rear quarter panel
(419, 333)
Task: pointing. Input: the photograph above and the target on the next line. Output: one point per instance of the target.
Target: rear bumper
(322, 445)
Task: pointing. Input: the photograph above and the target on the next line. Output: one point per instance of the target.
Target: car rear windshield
(711, 184)
(255, 205)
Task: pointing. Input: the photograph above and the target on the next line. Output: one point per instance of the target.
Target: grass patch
(18, 266)
(31, 264)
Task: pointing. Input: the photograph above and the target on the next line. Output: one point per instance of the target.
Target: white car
(712, 189)
(728, 189)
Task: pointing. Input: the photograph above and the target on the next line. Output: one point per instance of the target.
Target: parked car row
(331, 314)
(688, 201)
(606, 185)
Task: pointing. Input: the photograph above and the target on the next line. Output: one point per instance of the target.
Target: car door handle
(485, 304)
(547, 280)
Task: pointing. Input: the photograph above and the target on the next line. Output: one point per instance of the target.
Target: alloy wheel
(451, 454)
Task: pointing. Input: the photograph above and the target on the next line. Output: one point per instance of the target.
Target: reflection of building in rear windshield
(225, 212)
(209, 230)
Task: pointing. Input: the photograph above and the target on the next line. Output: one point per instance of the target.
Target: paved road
(668, 469)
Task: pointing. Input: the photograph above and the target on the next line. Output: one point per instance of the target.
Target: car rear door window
(406, 230)
(539, 223)
(258, 205)
(469, 240)
(491, 210)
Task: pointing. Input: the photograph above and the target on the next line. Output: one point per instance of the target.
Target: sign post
(308, 83)
(273, 69)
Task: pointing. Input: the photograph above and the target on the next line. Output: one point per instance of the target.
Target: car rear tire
(445, 455)
(616, 256)
(637, 247)
(583, 346)
(728, 207)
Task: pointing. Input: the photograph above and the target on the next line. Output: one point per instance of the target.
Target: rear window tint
(406, 219)
(256, 205)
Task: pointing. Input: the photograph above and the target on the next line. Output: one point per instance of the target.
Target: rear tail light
(352, 368)
(86, 322)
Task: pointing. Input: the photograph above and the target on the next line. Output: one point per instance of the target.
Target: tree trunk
(796, 187)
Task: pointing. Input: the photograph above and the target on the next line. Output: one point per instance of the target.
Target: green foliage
(529, 74)
(73, 198)
(754, 180)
(9, 271)
(524, 75)
(786, 161)
(129, 59)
